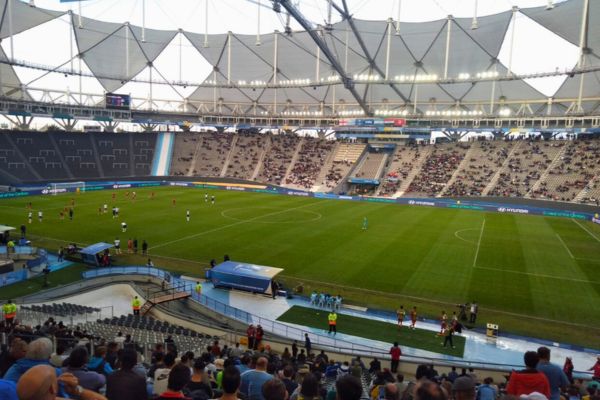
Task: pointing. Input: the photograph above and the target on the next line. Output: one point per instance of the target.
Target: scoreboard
(118, 101)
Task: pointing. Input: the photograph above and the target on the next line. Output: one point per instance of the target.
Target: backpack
(378, 392)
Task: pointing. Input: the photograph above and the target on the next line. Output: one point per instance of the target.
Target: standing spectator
(395, 352)
(199, 382)
(307, 344)
(556, 377)
(487, 391)
(251, 335)
(61, 254)
(474, 310)
(528, 380)
(568, 369)
(348, 387)
(295, 349)
(10, 312)
(253, 380)
(76, 365)
(274, 390)
(161, 375)
(260, 333)
(290, 384)
(595, 368)
(135, 245)
(179, 377)
(231, 383)
(98, 362)
(452, 375)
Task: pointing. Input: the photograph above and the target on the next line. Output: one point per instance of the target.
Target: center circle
(271, 215)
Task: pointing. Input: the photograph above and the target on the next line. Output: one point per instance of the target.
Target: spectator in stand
(253, 380)
(290, 384)
(98, 362)
(199, 381)
(463, 388)
(41, 383)
(348, 387)
(391, 392)
(161, 375)
(308, 390)
(251, 335)
(58, 358)
(17, 350)
(76, 365)
(596, 369)
(231, 383)
(179, 377)
(452, 375)
(568, 369)
(395, 353)
(274, 390)
(38, 353)
(307, 344)
(528, 380)
(374, 366)
(8, 390)
(556, 377)
(487, 391)
(124, 384)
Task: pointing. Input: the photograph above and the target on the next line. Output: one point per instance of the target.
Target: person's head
(199, 366)
(100, 351)
(422, 372)
(348, 387)
(288, 371)
(543, 353)
(39, 349)
(179, 376)
(18, 348)
(169, 360)
(428, 390)
(531, 359)
(38, 383)
(310, 386)
(127, 358)
(399, 377)
(391, 392)
(231, 380)
(262, 363)
(78, 357)
(463, 388)
(274, 390)
(489, 380)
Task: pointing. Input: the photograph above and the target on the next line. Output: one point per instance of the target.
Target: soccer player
(400, 313)
(212, 199)
(117, 212)
(444, 322)
(40, 216)
(151, 195)
(71, 214)
(187, 215)
(206, 197)
(30, 217)
(129, 246)
(174, 201)
(105, 208)
(133, 195)
(365, 224)
(124, 226)
(114, 212)
(413, 317)
(114, 195)
(117, 246)
(61, 215)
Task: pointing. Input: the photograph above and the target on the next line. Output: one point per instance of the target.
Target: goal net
(63, 187)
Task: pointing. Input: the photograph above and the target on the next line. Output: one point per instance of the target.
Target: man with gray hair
(41, 383)
(38, 353)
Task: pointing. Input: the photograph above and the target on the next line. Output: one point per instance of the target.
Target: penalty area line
(565, 246)
(479, 243)
(586, 229)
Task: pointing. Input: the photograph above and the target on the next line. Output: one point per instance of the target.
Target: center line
(479, 243)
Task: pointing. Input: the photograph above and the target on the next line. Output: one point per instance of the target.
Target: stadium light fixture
(550, 5)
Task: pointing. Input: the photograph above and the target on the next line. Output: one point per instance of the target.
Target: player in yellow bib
(400, 313)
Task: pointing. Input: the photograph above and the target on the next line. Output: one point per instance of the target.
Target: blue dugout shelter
(242, 276)
(89, 254)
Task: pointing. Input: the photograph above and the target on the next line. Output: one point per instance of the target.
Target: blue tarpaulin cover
(95, 248)
(237, 275)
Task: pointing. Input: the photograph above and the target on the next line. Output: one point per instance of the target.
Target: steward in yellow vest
(332, 318)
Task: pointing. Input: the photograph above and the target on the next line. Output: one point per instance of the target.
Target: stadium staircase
(61, 156)
(543, 178)
(131, 155)
(294, 159)
(96, 156)
(425, 153)
(192, 167)
(23, 158)
(500, 170)
(589, 188)
(461, 167)
(261, 158)
(229, 156)
(163, 297)
(320, 185)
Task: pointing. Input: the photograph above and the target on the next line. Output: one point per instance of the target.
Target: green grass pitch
(375, 330)
(531, 275)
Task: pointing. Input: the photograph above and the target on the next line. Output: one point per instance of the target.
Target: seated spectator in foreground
(124, 384)
(161, 375)
(253, 380)
(17, 350)
(179, 377)
(288, 381)
(8, 390)
(487, 391)
(231, 383)
(274, 390)
(38, 353)
(76, 365)
(308, 390)
(528, 380)
(40, 383)
(199, 382)
(556, 377)
(348, 387)
(428, 390)
(98, 362)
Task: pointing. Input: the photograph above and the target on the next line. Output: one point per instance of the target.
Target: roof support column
(398, 23)
(70, 13)
(346, 49)
(126, 48)
(10, 29)
(318, 65)
(228, 58)
(258, 24)
(582, 51)
(493, 92)
(448, 33)
(275, 71)
(515, 9)
(415, 108)
(80, 81)
(215, 89)
(79, 17)
(180, 56)
(390, 21)
(150, 99)
(143, 21)
(205, 24)
(333, 99)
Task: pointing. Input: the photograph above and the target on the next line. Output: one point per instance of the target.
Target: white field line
(560, 278)
(565, 246)
(586, 229)
(229, 226)
(479, 243)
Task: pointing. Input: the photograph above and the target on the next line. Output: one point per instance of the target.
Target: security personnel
(10, 312)
(136, 304)
(198, 288)
(332, 318)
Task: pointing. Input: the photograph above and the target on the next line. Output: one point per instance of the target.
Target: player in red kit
(413, 317)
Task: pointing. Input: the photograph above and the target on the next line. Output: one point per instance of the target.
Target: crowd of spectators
(248, 148)
(404, 161)
(311, 158)
(277, 160)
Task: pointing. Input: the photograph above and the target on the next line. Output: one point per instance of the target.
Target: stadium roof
(404, 66)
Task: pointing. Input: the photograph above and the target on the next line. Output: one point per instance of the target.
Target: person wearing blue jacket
(98, 362)
(8, 390)
(38, 353)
